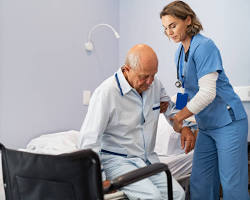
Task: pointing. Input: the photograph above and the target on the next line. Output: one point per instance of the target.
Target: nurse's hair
(181, 10)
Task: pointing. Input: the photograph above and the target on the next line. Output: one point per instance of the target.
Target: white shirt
(206, 93)
(119, 120)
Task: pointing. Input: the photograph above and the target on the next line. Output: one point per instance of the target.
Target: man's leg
(204, 182)
(115, 166)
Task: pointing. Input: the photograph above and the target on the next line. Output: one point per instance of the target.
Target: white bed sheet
(179, 165)
(168, 142)
(168, 147)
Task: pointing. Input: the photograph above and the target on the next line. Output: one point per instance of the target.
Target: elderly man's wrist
(177, 118)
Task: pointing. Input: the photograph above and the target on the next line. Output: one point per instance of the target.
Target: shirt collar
(122, 83)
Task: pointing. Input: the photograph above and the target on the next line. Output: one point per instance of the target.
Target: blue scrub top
(204, 58)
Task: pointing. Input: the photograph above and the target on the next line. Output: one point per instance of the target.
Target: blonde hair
(181, 10)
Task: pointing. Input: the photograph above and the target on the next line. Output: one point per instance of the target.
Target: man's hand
(177, 126)
(106, 184)
(187, 139)
(163, 106)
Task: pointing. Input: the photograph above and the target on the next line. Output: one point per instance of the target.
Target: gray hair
(132, 60)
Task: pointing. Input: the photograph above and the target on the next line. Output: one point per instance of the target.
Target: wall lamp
(89, 45)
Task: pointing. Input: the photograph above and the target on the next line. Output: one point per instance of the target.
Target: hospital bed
(167, 147)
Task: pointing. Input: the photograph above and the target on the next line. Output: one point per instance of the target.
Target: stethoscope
(178, 83)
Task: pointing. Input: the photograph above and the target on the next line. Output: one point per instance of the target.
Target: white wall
(44, 67)
(226, 22)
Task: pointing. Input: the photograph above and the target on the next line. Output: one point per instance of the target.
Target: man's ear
(126, 68)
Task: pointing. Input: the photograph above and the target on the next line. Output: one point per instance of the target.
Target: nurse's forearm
(183, 114)
(177, 120)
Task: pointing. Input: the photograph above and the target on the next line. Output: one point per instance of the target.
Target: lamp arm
(107, 25)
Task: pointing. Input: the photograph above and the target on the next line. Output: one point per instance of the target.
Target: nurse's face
(175, 28)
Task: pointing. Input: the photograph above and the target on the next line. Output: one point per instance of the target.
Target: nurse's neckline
(186, 44)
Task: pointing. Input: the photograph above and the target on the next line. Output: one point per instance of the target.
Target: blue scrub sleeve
(207, 59)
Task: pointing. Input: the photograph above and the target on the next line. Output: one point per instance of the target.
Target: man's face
(141, 77)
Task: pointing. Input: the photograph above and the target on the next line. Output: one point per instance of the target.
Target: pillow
(54, 143)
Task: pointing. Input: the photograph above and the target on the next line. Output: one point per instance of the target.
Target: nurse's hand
(187, 139)
(163, 106)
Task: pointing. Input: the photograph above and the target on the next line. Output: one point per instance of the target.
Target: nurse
(221, 148)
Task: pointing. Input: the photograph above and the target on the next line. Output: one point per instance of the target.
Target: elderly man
(121, 123)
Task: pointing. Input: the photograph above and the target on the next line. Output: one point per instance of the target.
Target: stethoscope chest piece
(178, 84)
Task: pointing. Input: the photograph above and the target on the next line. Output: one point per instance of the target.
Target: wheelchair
(69, 176)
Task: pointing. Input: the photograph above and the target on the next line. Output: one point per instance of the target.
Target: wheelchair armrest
(139, 174)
